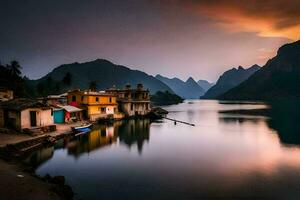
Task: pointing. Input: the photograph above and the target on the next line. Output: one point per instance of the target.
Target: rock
(58, 180)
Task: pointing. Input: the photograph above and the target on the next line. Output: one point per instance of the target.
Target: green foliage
(93, 86)
(11, 78)
(67, 79)
(165, 98)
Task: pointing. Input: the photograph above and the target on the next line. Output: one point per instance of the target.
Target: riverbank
(17, 181)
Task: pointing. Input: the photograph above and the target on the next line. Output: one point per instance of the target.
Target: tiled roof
(22, 104)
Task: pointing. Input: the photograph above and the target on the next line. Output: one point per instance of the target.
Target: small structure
(58, 115)
(72, 113)
(6, 94)
(96, 105)
(133, 102)
(62, 114)
(55, 100)
(21, 114)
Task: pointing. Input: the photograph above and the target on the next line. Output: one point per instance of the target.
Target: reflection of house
(132, 101)
(134, 131)
(97, 105)
(25, 113)
(40, 156)
(6, 94)
(99, 137)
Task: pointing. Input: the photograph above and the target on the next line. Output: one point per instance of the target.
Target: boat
(83, 131)
(82, 128)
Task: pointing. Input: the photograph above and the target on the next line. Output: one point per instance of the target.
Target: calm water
(224, 156)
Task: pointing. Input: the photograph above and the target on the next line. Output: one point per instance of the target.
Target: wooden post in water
(175, 121)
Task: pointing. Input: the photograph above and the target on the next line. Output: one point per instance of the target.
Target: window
(97, 99)
(131, 106)
(110, 99)
(103, 110)
(73, 98)
(81, 98)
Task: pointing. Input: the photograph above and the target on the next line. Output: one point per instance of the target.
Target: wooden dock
(175, 121)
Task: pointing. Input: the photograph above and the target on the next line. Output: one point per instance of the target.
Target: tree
(40, 89)
(93, 86)
(14, 68)
(67, 79)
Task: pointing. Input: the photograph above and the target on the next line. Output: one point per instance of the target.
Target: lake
(224, 156)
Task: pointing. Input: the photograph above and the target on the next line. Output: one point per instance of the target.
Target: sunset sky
(182, 38)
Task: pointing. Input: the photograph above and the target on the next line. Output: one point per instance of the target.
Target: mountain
(187, 90)
(205, 84)
(165, 98)
(278, 79)
(230, 79)
(101, 72)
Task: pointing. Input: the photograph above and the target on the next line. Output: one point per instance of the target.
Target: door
(32, 118)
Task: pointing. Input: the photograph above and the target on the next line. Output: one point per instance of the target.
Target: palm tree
(14, 68)
(93, 86)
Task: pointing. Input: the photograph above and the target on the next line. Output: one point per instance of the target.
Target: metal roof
(71, 109)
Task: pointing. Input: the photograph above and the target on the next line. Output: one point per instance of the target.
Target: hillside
(102, 73)
(229, 80)
(187, 90)
(165, 98)
(278, 79)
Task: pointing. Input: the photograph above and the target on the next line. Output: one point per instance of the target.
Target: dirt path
(16, 184)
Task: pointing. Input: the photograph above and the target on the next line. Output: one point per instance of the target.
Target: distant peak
(240, 68)
(255, 66)
(190, 79)
(98, 60)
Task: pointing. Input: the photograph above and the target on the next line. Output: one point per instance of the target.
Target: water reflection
(128, 132)
(134, 132)
(283, 117)
(225, 156)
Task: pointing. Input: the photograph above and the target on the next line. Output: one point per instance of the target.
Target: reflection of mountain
(134, 131)
(283, 118)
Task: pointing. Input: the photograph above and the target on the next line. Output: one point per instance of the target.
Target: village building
(95, 105)
(55, 100)
(6, 94)
(132, 102)
(62, 114)
(21, 114)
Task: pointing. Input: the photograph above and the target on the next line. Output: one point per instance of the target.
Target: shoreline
(20, 180)
(13, 146)
(20, 183)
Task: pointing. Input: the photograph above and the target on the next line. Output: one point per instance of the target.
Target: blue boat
(82, 128)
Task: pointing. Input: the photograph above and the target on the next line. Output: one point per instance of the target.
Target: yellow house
(97, 105)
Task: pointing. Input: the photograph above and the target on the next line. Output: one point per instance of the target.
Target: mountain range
(104, 74)
(188, 89)
(229, 80)
(278, 79)
(205, 84)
